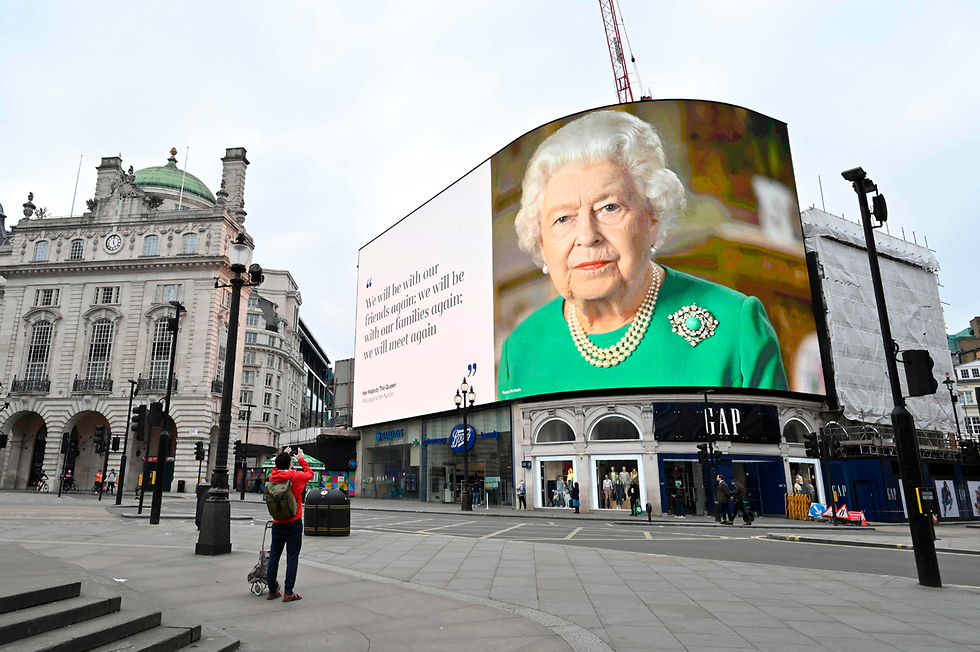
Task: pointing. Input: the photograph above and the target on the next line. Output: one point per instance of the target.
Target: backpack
(280, 500)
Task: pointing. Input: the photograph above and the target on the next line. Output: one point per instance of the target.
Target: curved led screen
(644, 245)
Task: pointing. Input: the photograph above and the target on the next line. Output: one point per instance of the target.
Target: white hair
(598, 137)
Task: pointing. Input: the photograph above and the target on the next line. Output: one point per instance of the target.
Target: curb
(659, 521)
(189, 517)
(860, 544)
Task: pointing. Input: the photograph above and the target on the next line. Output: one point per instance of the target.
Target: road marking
(574, 532)
(647, 536)
(442, 527)
(101, 544)
(506, 529)
(418, 520)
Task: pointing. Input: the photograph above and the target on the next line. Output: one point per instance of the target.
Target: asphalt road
(739, 544)
(735, 544)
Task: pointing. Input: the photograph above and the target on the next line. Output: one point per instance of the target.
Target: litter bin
(181, 486)
(202, 494)
(327, 513)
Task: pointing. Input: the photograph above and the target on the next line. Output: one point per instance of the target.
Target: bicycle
(41, 486)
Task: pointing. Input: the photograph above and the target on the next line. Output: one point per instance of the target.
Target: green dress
(540, 357)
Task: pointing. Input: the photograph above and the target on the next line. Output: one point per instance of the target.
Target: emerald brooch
(694, 324)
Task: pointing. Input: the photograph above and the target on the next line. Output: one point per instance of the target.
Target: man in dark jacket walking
(722, 497)
(288, 533)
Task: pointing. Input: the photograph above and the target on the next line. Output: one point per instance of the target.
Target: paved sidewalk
(622, 600)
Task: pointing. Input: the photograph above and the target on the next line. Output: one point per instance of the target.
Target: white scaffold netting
(916, 316)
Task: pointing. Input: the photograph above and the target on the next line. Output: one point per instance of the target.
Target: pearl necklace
(618, 352)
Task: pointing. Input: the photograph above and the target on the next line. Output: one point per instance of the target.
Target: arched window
(614, 427)
(100, 350)
(188, 244)
(39, 350)
(151, 245)
(77, 249)
(160, 350)
(555, 431)
(794, 430)
(41, 251)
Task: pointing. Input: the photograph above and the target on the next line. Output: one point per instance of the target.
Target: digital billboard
(645, 245)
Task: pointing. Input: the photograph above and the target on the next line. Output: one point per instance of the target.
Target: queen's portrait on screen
(596, 200)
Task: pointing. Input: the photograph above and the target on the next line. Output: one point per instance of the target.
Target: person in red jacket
(288, 533)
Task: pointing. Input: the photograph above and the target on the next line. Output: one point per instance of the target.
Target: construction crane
(611, 22)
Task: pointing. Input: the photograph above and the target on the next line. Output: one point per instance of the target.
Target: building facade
(967, 392)
(83, 318)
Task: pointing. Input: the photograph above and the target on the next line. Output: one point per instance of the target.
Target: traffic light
(918, 373)
(99, 438)
(138, 422)
(703, 453)
(115, 444)
(156, 414)
(73, 445)
(719, 458)
(239, 449)
(199, 451)
(812, 444)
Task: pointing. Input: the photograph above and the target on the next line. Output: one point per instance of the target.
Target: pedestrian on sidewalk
(680, 510)
(741, 497)
(634, 494)
(521, 495)
(575, 501)
(110, 481)
(288, 532)
(723, 496)
(98, 482)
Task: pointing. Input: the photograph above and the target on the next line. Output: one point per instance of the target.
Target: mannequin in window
(559, 497)
(624, 480)
(607, 485)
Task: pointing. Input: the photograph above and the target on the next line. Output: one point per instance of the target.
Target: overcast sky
(353, 114)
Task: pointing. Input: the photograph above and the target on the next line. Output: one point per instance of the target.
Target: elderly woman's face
(596, 232)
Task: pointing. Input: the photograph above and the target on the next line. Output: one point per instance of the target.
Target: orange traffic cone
(864, 521)
(934, 520)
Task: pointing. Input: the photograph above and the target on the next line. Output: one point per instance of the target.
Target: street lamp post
(950, 383)
(215, 534)
(134, 390)
(248, 420)
(465, 397)
(163, 447)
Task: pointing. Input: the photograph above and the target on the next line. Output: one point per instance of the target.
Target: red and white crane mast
(616, 55)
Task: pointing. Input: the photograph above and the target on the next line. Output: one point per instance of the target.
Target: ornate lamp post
(215, 535)
(950, 384)
(465, 397)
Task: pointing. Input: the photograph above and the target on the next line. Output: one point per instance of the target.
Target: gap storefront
(416, 459)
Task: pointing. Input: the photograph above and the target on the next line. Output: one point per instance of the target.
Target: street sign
(526, 464)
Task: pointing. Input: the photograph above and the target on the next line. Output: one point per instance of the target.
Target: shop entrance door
(554, 474)
(681, 486)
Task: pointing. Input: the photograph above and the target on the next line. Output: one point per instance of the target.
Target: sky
(354, 114)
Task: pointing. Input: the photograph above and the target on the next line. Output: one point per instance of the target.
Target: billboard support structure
(906, 445)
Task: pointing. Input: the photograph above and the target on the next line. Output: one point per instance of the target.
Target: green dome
(168, 176)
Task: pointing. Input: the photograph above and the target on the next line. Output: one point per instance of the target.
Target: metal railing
(217, 385)
(30, 386)
(155, 384)
(91, 385)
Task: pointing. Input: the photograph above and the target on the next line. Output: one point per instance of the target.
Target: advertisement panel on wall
(651, 244)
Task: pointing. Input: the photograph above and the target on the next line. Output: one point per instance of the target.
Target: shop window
(555, 431)
(613, 427)
(794, 431)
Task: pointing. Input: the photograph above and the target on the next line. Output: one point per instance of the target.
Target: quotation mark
(471, 369)
(368, 283)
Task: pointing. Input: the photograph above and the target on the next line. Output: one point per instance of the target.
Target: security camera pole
(924, 548)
